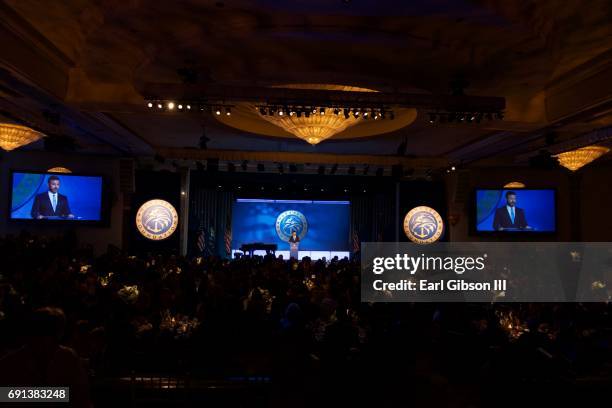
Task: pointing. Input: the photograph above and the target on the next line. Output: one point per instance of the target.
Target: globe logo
(423, 225)
(290, 221)
(156, 219)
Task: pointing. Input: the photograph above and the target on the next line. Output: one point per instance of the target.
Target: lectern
(293, 249)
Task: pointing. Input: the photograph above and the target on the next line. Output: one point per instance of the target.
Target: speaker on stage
(294, 243)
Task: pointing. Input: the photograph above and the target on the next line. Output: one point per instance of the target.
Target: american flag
(355, 240)
(201, 241)
(228, 236)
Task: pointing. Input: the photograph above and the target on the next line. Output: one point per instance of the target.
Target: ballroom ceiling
(90, 62)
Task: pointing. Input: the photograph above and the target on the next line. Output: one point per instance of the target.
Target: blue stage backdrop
(84, 194)
(539, 207)
(322, 225)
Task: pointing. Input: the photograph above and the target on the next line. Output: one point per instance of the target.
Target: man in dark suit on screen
(51, 203)
(510, 216)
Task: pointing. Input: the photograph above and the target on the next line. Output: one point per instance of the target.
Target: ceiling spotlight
(180, 106)
(170, 105)
(291, 113)
(188, 106)
(228, 111)
(322, 111)
(432, 117)
(218, 112)
(281, 112)
(365, 114)
(150, 105)
(314, 110)
(453, 168)
(356, 113)
(159, 105)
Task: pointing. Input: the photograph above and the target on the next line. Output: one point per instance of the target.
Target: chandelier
(14, 136)
(575, 159)
(515, 184)
(319, 124)
(59, 170)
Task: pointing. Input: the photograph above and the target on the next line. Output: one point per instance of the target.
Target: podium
(293, 249)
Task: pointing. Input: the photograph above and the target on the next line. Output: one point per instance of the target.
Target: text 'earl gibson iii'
(441, 285)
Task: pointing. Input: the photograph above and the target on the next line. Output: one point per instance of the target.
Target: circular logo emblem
(156, 219)
(423, 225)
(289, 221)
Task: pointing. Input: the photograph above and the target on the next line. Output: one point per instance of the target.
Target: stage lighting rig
(467, 116)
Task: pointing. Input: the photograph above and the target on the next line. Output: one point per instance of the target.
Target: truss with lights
(464, 116)
(190, 107)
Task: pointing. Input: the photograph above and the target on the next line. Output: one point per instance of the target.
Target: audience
(69, 317)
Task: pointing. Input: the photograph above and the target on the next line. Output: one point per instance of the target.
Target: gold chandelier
(14, 136)
(59, 170)
(515, 184)
(575, 159)
(319, 124)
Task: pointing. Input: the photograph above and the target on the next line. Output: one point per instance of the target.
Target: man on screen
(51, 203)
(510, 216)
